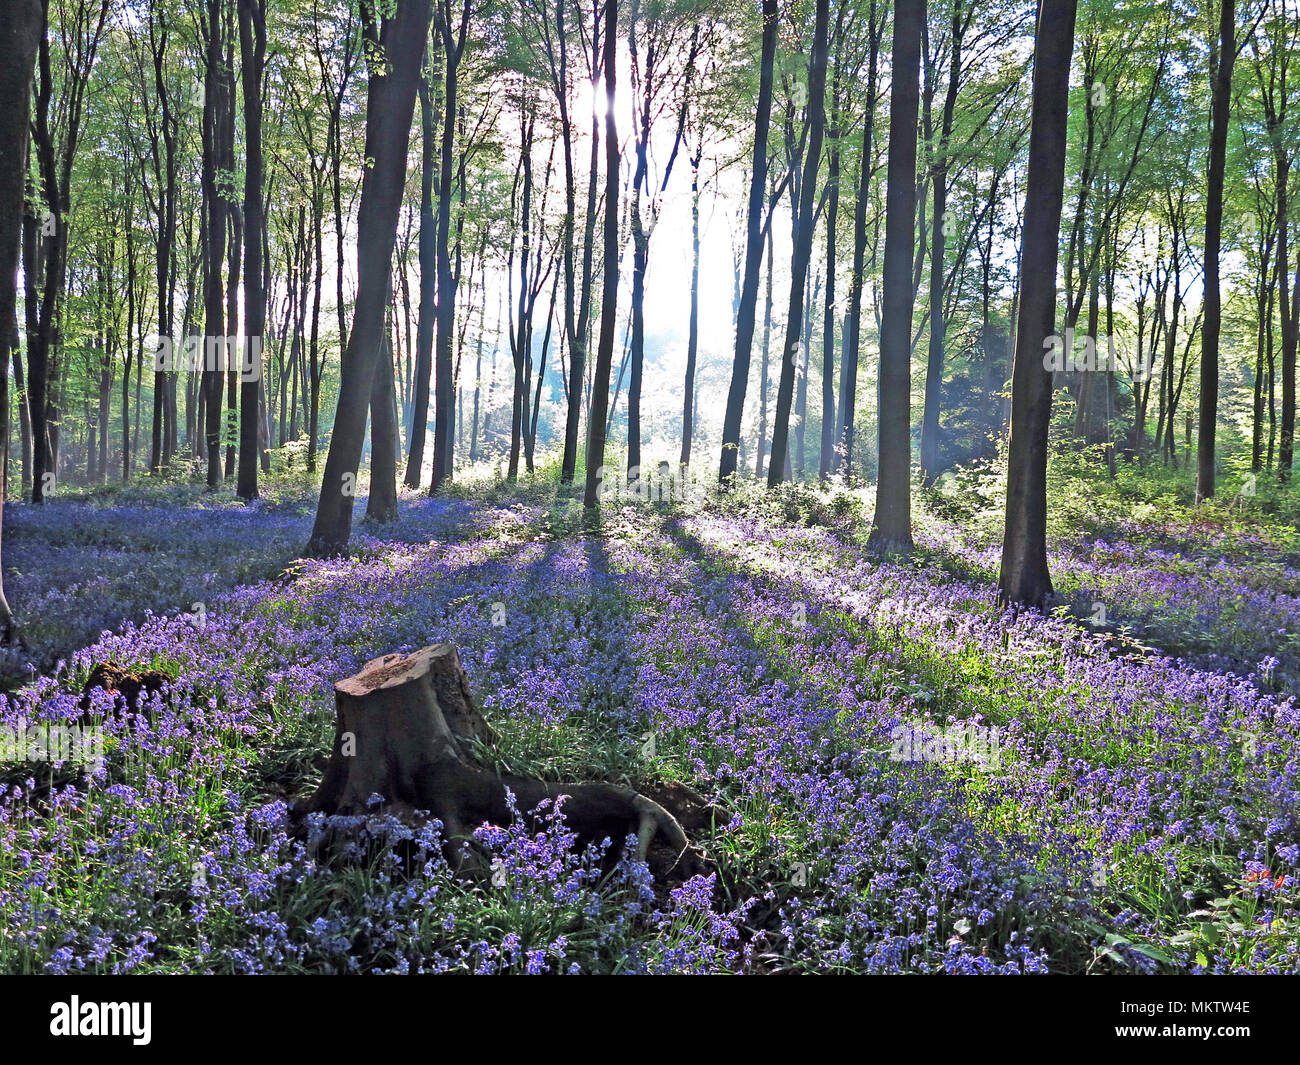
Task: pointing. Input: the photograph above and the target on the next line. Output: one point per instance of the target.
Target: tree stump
(135, 689)
(404, 731)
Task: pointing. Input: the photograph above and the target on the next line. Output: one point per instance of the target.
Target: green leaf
(1151, 952)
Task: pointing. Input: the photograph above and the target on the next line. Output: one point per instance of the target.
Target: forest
(649, 486)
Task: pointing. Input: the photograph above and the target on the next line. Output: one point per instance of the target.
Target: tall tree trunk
(1024, 577)
(22, 27)
(429, 121)
(389, 109)
(235, 214)
(453, 40)
(693, 340)
(381, 505)
(160, 454)
(762, 373)
(892, 526)
(636, 351)
(1084, 419)
(214, 241)
(478, 355)
(596, 431)
(1165, 438)
(1209, 413)
(521, 342)
(252, 48)
(25, 425)
(801, 387)
(336, 93)
(776, 470)
(311, 382)
(131, 316)
(753, 250)
(644, 216)
(1290, 314)
(1287, 441)
(1270, 358)
(853, 323)
(930, 459)
(54, 156)
(531, 436)
(230, 432)
(826, 460)
(576, 304)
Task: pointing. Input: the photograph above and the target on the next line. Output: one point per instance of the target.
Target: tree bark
(892, 525)
(693, 339)
(214, 243)
(776, 470)
(381, 504)
(428, 274)
(54, 157)
(1286, 441)
(521, 339)
(444, 414)
(164, 164)
(389, 109)
(574, 320)
(930, 459)
(640, 262)
(235, 215)
(1024, 576)
(596, 428)
(1209, 407)
(826, 458)
(252, 46)
(761, 450)
(1290, 323)
(753, 250)
(853, 323)
(22, 25)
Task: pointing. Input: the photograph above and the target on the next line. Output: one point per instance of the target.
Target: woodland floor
(1140, 809)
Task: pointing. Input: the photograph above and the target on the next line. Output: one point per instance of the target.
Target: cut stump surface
(405, 727)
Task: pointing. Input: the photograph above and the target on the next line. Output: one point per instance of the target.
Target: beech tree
(215, 215)
(1024, 577)
(891, 528)
(22, 28)
(754, 237)
(396, 44)
(803, 243)
(56, 126)
(454, 32)
(853, 322)
(1226, 52)
(252, 47)
(596, 426)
